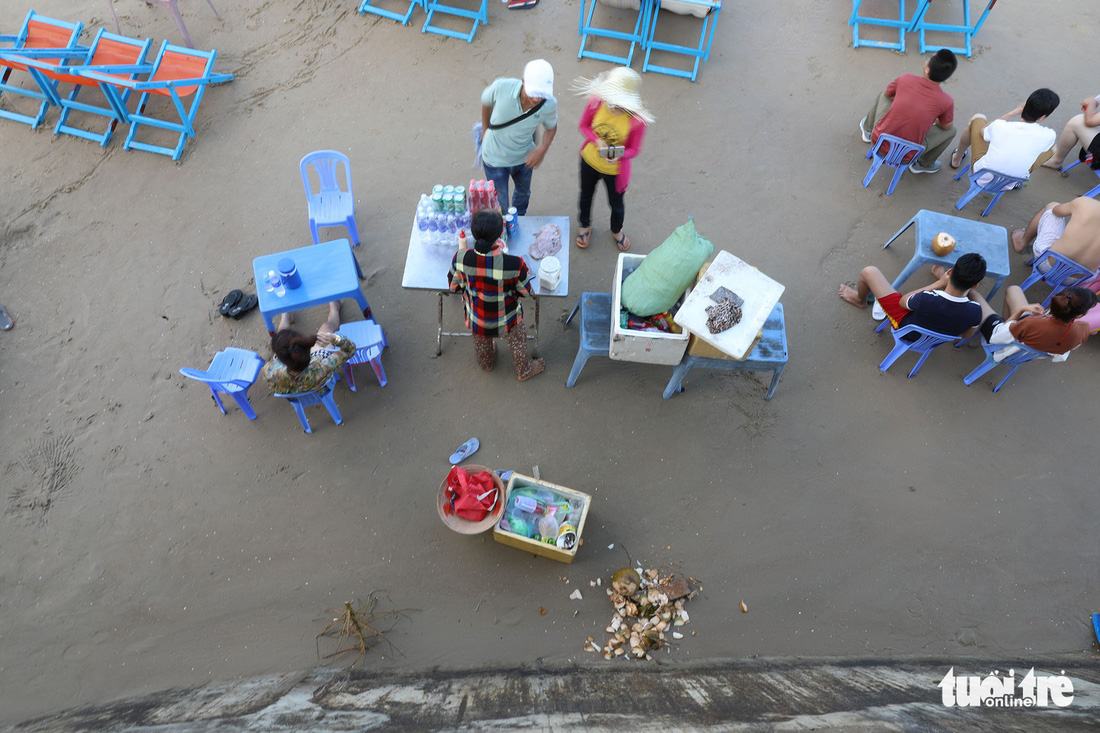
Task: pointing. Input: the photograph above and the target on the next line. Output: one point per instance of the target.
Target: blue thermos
(289, 272)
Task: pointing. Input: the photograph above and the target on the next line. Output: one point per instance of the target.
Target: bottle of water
(433, 229)
(422, 224)
(269, 283)
(451, 239)
(277, 284)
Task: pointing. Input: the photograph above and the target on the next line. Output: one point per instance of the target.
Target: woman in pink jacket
(613, 126)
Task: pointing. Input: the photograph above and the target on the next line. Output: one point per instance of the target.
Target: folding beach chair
(177, 73)
(642, 9)
(369, 6)
(901, 24)
(479, 16)
(922, 25)
(47, 41)
(108, 52)
(707, 10)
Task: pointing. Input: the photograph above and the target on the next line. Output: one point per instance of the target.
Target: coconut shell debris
(653, 606)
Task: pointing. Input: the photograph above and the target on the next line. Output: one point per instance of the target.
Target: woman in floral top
(305, 363)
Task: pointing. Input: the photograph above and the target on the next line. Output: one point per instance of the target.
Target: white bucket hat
(538, 79)
(617, 87)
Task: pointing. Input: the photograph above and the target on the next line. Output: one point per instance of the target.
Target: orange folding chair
(43, 41)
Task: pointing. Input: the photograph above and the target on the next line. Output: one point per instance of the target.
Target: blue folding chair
(925, 342)
(49, 41)
(368, 6)
(331, 205)
(176, 74)
(1022, 355)
(898, 155)
(995, 186)
(369, 340)
(320, 396)
(922, 25)
(901, 25)
(1091, 193)
(642, 9)
(232, 371)
(107, 52)
(707, 10)
(479, 16)
(1056, 277)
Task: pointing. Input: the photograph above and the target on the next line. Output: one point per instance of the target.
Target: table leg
(358, 269)
(535, 353)
(912, 267)
(269, 323)
(899, 232)
(439, 330)
(996, 286)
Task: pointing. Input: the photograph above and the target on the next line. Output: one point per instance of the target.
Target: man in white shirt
(1016, 143)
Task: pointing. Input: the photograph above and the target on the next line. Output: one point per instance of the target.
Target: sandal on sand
(7, 320)
(231, 299)
(247, 303)
(952, 161)
(582, 237)
(622, 241)
(464, 451)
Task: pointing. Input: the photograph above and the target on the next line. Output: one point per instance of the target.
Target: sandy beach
(149, 542)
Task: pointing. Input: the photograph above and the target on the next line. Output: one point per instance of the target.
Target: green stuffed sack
(666, 272)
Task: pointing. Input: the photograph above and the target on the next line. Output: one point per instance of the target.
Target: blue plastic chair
(921, 25)
(107, 50)
(642, 9)
(43, 39)
(321, 396)
(1023, 355)
(996, 186)
(769, 355)
(901, 25)
(923, 345)
(1091, 193)
(332, 205)
(479, 16)
(707, 10)
(232, 371)
(899, 154)
(368, 6)
(1062, 269)
(369, 340)
(595, 310)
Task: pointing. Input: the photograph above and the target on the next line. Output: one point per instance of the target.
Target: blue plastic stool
(899, 154)
(1091, 193)
(997, 185)
(769, 355)
(595, 309)
(322, 396)
(1059, 274)
(1023, 355)
(369, 340)
(926, 342)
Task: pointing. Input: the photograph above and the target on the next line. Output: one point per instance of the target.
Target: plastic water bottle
(277, 284)
(432, 228)
(269, 283)
(451, 240)
(422, 225)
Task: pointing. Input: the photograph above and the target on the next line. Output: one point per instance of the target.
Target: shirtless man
(1078, 238)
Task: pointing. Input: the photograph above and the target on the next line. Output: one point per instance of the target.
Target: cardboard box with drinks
(542, 518)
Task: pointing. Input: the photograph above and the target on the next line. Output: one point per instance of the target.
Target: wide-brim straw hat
(618, 87)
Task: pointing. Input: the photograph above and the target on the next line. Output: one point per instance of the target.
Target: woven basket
(465, 526)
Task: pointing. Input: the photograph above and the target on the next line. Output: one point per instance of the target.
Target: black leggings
(589, 178)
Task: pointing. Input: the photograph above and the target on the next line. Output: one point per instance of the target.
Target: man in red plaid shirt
(491, 284)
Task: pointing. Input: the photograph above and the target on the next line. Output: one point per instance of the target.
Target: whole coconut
(625, 581)
(943, 244)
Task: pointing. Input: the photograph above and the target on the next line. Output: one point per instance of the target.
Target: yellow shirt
(613, 128)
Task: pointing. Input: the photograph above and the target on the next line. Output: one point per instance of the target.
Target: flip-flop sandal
(7, 320)
(243, 307)
(623, 242)
(582, 239)
(464, 451)
(229, 301)
(952, 161)
(522, 4)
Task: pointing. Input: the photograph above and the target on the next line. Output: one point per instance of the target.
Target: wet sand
(857, 514)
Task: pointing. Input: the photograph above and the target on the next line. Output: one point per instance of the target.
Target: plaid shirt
(491, 286)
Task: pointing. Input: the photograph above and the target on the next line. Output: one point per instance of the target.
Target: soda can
(448, 189)
(460, 191)
(509, 224)
(513, 211)
(437, 188)
(567, 537)
(437, 201)
(449, 203)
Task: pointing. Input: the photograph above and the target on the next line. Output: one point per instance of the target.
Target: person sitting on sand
(944, 306)
(1071, 229)
(304, 363)
(491, 284)
(915, 108)
(1056, 332)
(1081, 129)
(1014, 145)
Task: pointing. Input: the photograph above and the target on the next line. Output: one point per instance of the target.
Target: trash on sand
(644, 612)
(575, 595)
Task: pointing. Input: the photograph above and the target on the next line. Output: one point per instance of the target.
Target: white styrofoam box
(647, 347)
(759, 292)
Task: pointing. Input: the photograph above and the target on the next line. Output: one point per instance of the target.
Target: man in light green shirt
(512, 110)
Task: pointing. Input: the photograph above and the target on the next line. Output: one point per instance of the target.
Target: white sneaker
(863, 133)
(877, 312)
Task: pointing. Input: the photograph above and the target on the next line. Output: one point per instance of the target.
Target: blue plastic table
(988, 240)
(329, 272)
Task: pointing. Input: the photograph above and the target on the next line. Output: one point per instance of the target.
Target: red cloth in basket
(470, 497)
